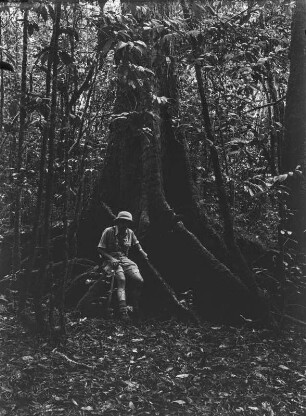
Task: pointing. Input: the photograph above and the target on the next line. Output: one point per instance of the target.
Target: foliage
(154, 368)
(88, 111)
(242, 48)
(243, 53)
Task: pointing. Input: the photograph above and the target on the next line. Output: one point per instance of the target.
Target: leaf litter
(169, 368)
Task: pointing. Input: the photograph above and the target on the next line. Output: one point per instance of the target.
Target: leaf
(71, 32)
(57, 398)
(43, 12)
(65, 57)
(107, 45)
(139, 49)
(131, 406)
(27, 358)
(180, 402)
(3, 298)
(121, 45)
(262, 61)
(281, 178)
(193, 33)
(197, 9)
(283, 367)
(88, 408)
(131, 385)
(132, 84)
(30, 29)
(7, 66)
(182, 375)
(141, 43)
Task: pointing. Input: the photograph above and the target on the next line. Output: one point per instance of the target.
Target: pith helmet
(124, 215)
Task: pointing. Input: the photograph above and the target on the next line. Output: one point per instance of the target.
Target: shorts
(126, 266)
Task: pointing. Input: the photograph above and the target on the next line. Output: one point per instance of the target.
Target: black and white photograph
(153, 207)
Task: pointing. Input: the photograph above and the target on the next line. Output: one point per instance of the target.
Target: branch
(70, 361)
(291, 318)
(181, 310)
(77, 93)
(265, 105)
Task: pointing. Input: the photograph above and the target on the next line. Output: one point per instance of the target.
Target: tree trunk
(137, 176)
(23, 114)
(46, 238)
(35, 250)
(2, 91)
(294, 149)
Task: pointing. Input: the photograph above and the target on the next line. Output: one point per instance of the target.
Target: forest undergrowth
(107, 367)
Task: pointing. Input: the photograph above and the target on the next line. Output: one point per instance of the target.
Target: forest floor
(153, 368)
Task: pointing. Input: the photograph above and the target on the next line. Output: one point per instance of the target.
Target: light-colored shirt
(112, 242)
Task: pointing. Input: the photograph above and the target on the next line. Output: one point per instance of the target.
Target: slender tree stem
(22, 118)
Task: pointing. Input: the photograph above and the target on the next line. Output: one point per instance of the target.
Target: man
(114, 248)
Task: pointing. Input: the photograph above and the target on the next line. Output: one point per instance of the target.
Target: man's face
(122, 225)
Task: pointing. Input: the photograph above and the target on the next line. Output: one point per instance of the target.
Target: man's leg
(136, 286)
(121, 291)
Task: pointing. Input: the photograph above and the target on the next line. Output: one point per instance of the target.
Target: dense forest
(190, 115)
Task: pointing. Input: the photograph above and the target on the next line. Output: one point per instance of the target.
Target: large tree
(147, 171)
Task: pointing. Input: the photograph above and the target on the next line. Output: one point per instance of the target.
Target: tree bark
(23, 115)
(294, 147)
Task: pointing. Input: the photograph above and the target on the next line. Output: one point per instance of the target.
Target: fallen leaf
(56, 398)
(283, 367)
(182, 375)
(181, 402)
(87, 408)
(131, 406)
(27, 358)
(131, 385)
(261, 376)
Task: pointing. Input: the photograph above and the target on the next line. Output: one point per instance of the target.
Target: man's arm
(103, 253)
(136, 243)
(141, 251)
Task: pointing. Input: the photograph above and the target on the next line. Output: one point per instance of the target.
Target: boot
(135, 303)
(123, 313)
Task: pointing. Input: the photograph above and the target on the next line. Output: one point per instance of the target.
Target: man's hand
(144, 255)
(114, 263)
